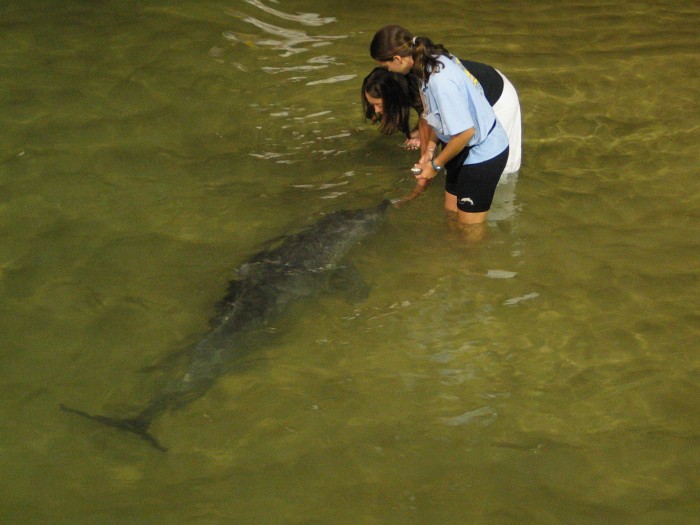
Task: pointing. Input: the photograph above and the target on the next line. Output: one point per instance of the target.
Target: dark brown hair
(399, 93)
(393, 40)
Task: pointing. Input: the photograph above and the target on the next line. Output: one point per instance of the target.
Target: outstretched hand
(412, 144)
(425, 158)
(420, 187)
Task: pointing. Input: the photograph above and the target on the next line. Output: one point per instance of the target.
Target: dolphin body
(298, 266)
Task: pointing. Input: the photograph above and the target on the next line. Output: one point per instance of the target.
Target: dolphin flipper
(134, 425)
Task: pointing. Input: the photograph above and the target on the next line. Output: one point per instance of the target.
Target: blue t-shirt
(454, 102)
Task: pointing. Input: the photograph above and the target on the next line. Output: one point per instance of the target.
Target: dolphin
(293, 267)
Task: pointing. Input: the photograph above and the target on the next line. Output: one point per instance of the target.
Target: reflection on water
(287, 40)
(306, 19)
(548, 375)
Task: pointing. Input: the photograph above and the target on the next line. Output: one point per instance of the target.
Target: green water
(548, 375)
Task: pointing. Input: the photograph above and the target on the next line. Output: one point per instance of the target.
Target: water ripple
(331, 80)
(484, 415)
(307, 19)
(287, 40)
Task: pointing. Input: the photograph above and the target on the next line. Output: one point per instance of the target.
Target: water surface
(548, 375)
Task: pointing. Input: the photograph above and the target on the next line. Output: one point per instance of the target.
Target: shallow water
(549, 375)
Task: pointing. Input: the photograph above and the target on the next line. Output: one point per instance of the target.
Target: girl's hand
(413, 142)
(426, 157)
(426, 172)
(420, 187)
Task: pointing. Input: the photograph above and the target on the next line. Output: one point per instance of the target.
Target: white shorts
(507, 110)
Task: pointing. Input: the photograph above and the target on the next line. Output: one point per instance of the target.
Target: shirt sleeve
(453, 107)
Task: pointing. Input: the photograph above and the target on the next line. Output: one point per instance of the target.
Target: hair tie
(413, 42)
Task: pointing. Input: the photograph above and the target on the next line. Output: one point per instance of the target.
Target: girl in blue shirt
(455, 113)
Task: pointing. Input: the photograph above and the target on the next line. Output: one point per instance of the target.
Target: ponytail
(393, 40)
(425, 57)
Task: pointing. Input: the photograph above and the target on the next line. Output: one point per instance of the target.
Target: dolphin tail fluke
(134, 425)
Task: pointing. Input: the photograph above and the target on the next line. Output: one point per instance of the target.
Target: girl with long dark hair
(475, 148)
(388, 98)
